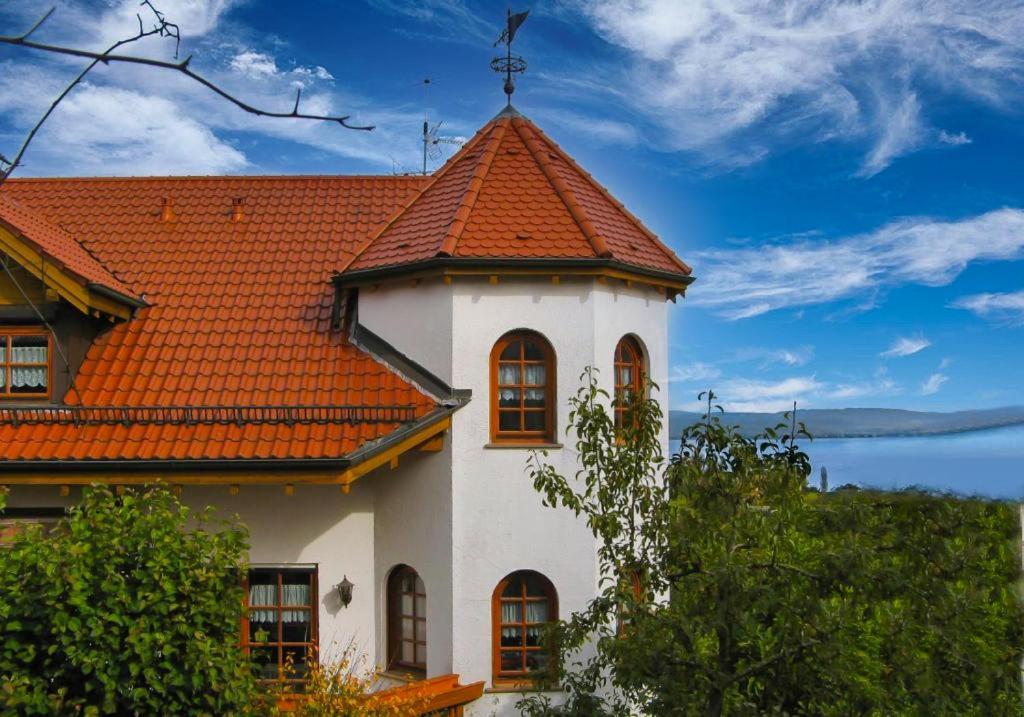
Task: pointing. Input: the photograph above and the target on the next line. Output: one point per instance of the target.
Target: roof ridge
(483, 167)
(567, 158)
(563, 191)
(465, 149)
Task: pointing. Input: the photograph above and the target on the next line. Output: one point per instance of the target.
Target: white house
(357, 366)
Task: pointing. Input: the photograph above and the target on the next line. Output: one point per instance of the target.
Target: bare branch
(161, 28)
(183, 68)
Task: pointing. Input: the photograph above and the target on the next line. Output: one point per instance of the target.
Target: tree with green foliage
(730, 587)
(130, 606)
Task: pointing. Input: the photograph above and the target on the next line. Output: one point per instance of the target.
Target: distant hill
(866, 422)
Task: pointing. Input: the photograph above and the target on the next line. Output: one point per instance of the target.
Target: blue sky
(845, 178)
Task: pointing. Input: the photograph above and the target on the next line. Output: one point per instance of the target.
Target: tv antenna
(432, 141)
(510, 64)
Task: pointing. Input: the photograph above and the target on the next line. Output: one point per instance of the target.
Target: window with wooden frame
(407, 620)
(522, 389)
(279, 631)
(25, 366)
(523, 603)
(629, 377)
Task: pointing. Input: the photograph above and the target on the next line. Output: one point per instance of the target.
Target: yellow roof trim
(56, 278)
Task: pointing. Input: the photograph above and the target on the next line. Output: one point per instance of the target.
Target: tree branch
(162, 28)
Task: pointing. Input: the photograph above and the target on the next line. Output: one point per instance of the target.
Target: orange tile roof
(512, 193)
(58, 246)
(236, 275)
(239, 313)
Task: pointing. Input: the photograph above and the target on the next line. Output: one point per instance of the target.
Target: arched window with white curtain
(522, 389)
(522, 604)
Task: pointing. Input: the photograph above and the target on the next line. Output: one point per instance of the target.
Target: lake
(988, 463)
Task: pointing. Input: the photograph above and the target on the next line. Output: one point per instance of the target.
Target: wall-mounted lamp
(345, 590)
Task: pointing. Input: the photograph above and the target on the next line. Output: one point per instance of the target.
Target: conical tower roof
(512, 193)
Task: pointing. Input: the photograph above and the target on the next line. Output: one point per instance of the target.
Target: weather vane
(510, 64)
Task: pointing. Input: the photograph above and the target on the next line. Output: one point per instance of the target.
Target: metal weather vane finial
(510, 64)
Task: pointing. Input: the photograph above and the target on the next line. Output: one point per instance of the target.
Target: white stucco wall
(416, 320)
(499, 524)
(414, 527)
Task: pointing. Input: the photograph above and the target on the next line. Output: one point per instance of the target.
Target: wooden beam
(65, 491)
(346, 488)
(394, 463)
(289, 489)
(556, 279)
(434, 445)
(493, 278)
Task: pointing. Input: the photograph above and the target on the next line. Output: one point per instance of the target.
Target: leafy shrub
(343, 686)
(131, 605)
(730, 587)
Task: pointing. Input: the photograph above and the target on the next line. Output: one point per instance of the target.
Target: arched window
(629, 376)
(407, 620)
(522, 604)
(522, 389)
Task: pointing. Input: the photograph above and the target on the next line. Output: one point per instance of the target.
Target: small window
(523, 603)
(280, 630)
(24, 363)
(523, 389)
(629, 377)
(407, 620)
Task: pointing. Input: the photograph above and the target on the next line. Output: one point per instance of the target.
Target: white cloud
(900, 133)
(882, 387)
(906, 346)
(112, 131)
(602, 130)
(933, 384)
(745, 282)
(954, 139)
(1003, 307)
(707, 71)
(262, 66)
(798, 356)
(694, 372)
(742, 394)
(254, 64)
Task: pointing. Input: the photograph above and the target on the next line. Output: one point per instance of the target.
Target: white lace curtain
(535, 375)
(26, 376)
(260, 595)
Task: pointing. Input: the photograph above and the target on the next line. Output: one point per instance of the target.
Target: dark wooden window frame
(628, 354)
(6, 391)
(524, 436)
(395, 616)
(550, 596)
(314, 623)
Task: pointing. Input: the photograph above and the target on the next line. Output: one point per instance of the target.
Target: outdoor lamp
(345, 590)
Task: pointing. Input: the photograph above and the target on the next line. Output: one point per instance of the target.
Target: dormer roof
(62, 262)
(512, 193)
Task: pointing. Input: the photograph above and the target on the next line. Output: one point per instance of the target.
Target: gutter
(489, 265)
(116, 295)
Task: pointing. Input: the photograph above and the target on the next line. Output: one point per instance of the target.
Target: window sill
(523, 446)
(518, 687)
(407, 676)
